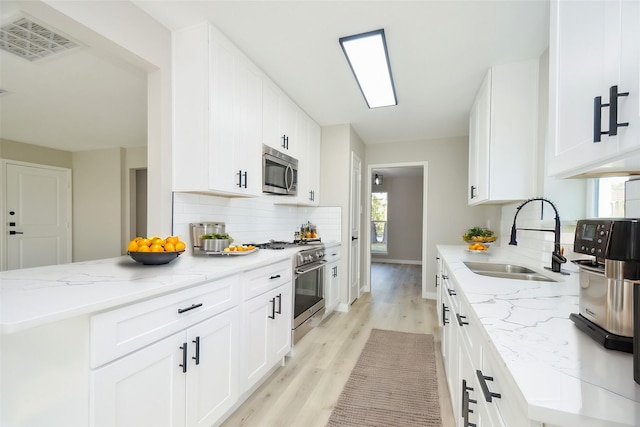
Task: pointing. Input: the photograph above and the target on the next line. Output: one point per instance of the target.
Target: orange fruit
(144, 249)
(171, 239)
(157, 241)
(144, 242)
(132, 246)
(169, 247)
(156, 248)
(180, 245)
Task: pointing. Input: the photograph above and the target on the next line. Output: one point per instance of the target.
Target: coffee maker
(609, 283)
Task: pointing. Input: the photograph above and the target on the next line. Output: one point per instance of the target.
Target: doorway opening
(396, 236)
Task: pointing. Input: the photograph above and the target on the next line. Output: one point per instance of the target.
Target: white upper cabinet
(308, 138)
(279, 120)
(593, 48)
(217, 115)
(503, 133)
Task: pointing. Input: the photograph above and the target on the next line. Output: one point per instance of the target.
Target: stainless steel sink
(506, 271)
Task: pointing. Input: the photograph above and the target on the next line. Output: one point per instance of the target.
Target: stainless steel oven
(308, 297)
(279, 172)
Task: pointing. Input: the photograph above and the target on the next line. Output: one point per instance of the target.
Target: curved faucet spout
(557, 259)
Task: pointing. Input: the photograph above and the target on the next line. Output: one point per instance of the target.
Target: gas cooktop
(276, 244)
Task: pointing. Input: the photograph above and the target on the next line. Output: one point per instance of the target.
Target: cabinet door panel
(281, 326)
(255, 347)
(144, 388)
(212, 384)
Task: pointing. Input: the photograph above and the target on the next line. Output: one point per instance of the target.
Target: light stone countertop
(37, 296)
(566, 378)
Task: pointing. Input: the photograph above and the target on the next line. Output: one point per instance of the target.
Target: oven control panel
(592, 237)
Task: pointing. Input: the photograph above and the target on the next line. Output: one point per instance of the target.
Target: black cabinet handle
(445, 309)
(613, 110)
(285, 142)
(184, 357)
(445, 277)
(597, 118)
(353, 238)
(461, 318)
(488, 395)
(13, 232)
(473, 192)
(183, 310)
(465, 404)
(436, 280)
(245, 179)
(273, 308)
(197, 356)
(279, 304)
(451, 292)
(240, 178)
(274, 277)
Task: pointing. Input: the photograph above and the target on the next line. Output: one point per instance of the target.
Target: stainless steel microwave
(279, 172)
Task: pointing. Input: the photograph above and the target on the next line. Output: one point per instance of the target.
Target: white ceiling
(439, 52)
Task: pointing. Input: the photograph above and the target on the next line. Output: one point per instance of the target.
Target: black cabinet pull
(240, 178)
(245, 179)
(13, 232)
(197, 356)
(445, 309)
(279, 304)
(461, 321)
(473, 192)
(488, 394)
(273, 308)
(275, 277)
(597, 118)
(465, 404)
(285, 142)
(613, 110)
(445, 277)
(451, 292)
(436, 280)
(183, 310)
(184, 357)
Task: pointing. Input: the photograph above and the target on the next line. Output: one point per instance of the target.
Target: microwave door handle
(288, 171)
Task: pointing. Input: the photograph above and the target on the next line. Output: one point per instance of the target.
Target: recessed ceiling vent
(32, 41)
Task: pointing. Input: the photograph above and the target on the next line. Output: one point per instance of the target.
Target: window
(379, 223)
(610, 197)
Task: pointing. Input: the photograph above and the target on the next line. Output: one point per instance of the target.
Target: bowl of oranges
(155, 250)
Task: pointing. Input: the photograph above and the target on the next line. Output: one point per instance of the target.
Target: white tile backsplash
(252, 219)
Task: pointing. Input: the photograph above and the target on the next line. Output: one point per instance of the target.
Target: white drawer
(332, 254)
(263, 279)
(118, 332)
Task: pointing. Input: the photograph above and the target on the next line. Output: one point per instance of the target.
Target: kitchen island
(112, 341)
(549, 372)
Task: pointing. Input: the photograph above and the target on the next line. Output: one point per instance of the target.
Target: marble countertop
(36, 296)
(566, 378)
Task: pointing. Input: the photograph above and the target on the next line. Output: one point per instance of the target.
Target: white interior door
(37, 215)
(354, 227)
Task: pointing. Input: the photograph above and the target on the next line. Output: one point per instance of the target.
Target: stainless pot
(197, 229)
(214, 245)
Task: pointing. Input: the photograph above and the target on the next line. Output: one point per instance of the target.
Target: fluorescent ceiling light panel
(369, 60)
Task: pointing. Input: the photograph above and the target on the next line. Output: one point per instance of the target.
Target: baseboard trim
(395, 261)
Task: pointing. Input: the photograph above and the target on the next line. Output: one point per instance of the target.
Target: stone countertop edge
(564, 376)
(42, 295)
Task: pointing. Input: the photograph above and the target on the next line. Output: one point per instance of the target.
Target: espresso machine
(609, 283)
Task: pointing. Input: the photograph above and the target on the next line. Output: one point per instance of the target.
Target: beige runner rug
(393, 383)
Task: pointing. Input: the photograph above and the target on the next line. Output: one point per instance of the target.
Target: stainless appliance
(308, 296)
(197, 229)
(607, 279)
(279, 172)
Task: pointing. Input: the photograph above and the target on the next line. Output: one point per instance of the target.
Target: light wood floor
(303, 392)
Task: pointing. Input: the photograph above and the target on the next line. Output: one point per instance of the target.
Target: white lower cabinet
(187, 379)
(266, 321)
(332, 279)
(482, 392)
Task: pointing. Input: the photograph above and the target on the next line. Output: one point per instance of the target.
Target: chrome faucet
(557, 259)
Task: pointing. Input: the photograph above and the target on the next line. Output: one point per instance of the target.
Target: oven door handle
(311, 267)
